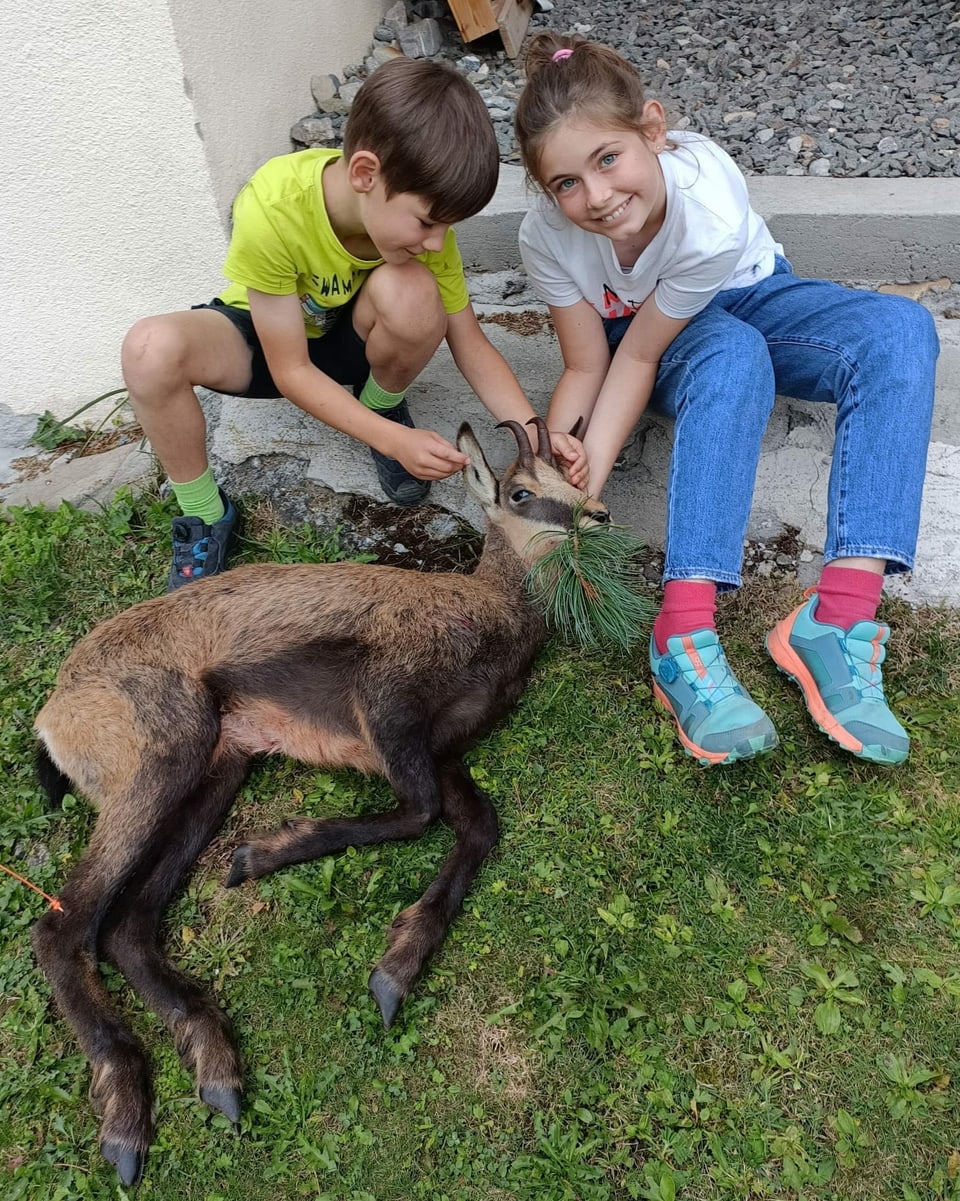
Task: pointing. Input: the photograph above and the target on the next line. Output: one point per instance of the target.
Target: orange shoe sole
(790, 663)
(710, 757)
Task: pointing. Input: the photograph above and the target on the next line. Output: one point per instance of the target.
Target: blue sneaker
(838, 672)
(717, 720)
(200, 550)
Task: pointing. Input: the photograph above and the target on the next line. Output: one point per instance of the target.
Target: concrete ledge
(842, 229)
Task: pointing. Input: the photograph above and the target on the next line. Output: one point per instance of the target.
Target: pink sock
(688, 605)
(847, 595)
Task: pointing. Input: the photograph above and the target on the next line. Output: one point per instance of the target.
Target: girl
(666, 288)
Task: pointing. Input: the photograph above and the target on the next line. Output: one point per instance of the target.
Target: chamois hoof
(239, 867)
(224, 1100)
(129, 1163)
(388, 997)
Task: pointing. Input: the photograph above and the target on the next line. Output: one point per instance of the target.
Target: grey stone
(396, 15)
(312, 131)
(323, 88)
(421, 39)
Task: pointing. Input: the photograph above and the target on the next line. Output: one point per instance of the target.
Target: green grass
(668, 981)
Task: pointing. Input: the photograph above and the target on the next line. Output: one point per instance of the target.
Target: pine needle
(588, 587)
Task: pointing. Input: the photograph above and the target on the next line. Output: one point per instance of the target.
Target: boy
(345, 275)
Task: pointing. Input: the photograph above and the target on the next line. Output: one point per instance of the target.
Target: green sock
(200, 498)
(375, 397)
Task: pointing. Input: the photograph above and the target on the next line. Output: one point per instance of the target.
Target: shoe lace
(866, 669)
(867, 677)
(707, 671)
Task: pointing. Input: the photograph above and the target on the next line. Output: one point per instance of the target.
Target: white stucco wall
(127, 129)
(247, 68)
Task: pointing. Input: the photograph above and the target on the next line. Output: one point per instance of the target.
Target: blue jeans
(872, 355)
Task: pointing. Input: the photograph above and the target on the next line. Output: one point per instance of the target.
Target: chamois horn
(523, 443)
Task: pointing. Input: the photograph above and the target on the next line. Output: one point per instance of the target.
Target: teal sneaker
(716, 718)
(838, 672)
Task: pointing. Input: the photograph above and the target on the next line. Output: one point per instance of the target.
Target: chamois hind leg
(131, 939)
(65, 944)
(301, 839)
(420, 929)
(132, 827)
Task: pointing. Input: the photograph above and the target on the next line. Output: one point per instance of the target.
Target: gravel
(870, 89)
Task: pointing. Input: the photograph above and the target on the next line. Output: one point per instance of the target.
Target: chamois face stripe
(545, 511)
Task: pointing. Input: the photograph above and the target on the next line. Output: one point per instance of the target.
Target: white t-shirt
(710, 240)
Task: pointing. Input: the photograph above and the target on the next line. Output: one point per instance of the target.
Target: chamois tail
(52, 780)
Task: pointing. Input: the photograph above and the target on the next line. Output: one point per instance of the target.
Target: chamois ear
(480, 481)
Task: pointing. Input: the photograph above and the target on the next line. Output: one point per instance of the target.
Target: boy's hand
(572, 458)
(426, 455)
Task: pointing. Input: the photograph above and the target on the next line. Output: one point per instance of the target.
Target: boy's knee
(152, 351)
(406, 299)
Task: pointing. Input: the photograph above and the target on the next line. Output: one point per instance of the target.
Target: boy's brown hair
(429, 127)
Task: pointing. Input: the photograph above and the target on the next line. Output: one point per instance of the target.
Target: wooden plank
(513, 18)
(474, 18)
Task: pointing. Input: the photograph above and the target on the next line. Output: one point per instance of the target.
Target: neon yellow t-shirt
(283, 243)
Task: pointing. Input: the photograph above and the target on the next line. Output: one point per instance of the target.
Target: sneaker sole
(790, 663)
(709, 758)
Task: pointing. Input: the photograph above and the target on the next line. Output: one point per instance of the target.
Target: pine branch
(588, 586)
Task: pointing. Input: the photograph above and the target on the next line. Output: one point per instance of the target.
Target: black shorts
(341, 353)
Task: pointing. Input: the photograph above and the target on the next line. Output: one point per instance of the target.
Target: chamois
(158, 712)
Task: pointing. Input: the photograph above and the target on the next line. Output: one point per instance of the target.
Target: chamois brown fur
(158, 712)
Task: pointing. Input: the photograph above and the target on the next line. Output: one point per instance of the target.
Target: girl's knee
(920, 329)
(901, 326)
(733, 360)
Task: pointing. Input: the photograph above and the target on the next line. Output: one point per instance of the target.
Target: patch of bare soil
(522, 321)
(424, 538)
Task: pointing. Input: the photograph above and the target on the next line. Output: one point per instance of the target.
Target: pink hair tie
(560, 55)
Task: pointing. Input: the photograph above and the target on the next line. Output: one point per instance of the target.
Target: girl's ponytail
(543, 48)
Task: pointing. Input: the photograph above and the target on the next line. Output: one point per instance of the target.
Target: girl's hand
(572, 458)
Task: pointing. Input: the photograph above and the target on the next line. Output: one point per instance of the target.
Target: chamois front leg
(303, 839)
(419, 931)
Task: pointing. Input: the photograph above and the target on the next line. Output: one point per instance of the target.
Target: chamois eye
(520, 495)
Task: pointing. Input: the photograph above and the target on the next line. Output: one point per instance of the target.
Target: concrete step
(842, 229)
(791, 481)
